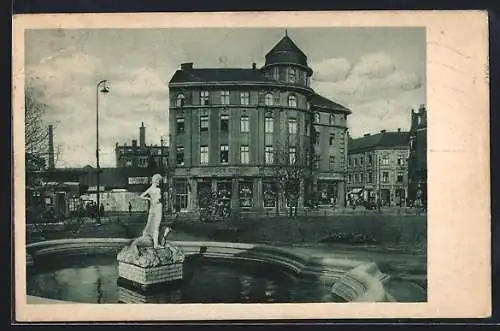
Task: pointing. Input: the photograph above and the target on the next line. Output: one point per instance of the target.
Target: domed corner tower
(286, 63)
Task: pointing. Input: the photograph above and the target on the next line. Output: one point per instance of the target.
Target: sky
(378, 73)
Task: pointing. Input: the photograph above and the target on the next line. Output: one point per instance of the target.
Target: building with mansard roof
(230, 127)
(377, 168)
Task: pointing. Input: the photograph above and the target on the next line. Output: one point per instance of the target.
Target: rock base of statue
(148, 266)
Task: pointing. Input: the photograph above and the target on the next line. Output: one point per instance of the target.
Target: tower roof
(286, 51)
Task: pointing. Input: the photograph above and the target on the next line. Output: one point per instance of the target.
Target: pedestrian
(129, 208)
(101, 210)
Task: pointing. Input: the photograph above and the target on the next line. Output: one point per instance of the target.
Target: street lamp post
(103, 89)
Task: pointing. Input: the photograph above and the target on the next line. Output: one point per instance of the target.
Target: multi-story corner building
(141, 155)
(230, 127)
(417, 161)
(377, 167)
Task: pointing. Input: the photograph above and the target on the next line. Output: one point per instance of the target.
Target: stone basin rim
(295, 263)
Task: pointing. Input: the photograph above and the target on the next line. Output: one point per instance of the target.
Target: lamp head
(104, 89)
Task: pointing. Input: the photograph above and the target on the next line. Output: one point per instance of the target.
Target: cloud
(378, 65)
(373, 77)
(331, 70)
(67, 82)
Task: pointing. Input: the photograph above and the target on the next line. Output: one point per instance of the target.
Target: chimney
(383, 131)
(421, 108)
(366, 135)
(187, 66)
(51, 147)
(142, 135)
(399, 129)
(254, 65)
(134, 143)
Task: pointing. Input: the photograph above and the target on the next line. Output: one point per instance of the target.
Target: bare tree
(292, 170)
(35, 132)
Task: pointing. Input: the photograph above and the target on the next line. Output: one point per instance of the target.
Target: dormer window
(204, 98)
(316, 117)
(332, 119)
(180, 100)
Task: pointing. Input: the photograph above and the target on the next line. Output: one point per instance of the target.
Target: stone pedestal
(147, 266)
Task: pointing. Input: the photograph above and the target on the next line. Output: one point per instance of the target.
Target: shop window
(269, 194)
(246, 194)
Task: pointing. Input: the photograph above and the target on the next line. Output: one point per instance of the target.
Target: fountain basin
(253, 271)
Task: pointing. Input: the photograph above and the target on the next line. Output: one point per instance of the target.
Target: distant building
(377, 167)
(141, 155)
(230, 127)
(417, 161)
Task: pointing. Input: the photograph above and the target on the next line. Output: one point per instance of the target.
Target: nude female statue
(153, 194)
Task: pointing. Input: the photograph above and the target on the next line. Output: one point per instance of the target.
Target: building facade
(141, 155)
(378, 169)
(230, 128)
(417, 161)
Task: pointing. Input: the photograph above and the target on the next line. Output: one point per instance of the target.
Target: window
(268, 124)
(245, 98)
(292, 126)
(269, 155)
(400, 177)
(332, 162)
(204, 98)
(316, 162)
(385, 160)
(361, 178)
(128, 163)
(361, 160)
(292, 101)
(276, 73)
(419, 120)
(246, 193)
(356, 178)
(385, 176)
(349, 178)
(292, 155)
(355, 161)
(292, 75)
(142, 162)
(369, 177)
(180, 100)
(203, 123)
(332, 138)
(180, 155)
(308, 129)
(349, 161)
(370, 159)
(316, 137)
(244, 123)
(244, 154)
(268, 100)
(332, 119)
(401, 160)
(180, 125)
(224, 97)
(316, 117)
(269, 193)
(181, 194)
(224, 123)
(224, 153)
(204, 154)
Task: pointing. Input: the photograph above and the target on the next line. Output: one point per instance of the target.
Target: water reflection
(95, 281)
